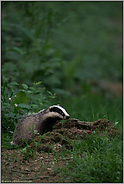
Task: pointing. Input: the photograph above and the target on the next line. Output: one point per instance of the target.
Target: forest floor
(39, 162)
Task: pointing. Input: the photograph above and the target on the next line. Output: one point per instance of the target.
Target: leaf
(10, 114)
(36, 132)
(14, 83)
(32, 88)
(29, 91)
(25, 86)
(18, 50)
(51, 95)
(116, 122)
(37, 83)
(24, 149)
(34, 106)
(24, 106)
(20, 97)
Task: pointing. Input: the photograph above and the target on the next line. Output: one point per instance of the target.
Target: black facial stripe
(55, 109)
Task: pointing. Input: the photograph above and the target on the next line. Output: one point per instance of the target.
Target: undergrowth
(97, 159)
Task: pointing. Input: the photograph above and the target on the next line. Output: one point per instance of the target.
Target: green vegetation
(50, 52)
(61, 43)
(97, 159)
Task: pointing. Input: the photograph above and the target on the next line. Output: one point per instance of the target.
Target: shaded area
(62, 44)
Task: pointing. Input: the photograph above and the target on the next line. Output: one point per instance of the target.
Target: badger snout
(66, 117)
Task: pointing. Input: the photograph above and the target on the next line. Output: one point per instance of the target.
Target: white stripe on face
(52, 115)
(64, 111)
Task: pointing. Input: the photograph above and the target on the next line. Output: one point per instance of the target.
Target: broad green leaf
(24, 106)
(20, 97)
(25, 86)
(29, 91)
(32, 88)
(18, 50)
(14, 83)
(10, 114)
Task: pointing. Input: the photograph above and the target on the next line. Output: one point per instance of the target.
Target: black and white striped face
(58, 111)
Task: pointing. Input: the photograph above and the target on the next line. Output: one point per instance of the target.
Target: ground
(38, 162)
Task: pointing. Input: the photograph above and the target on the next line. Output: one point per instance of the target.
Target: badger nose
(67, 117)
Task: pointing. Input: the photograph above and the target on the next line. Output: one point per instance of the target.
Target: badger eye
(55, 109)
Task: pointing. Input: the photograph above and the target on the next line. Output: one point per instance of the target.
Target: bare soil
(38, 163)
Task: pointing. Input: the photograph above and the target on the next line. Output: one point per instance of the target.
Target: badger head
(56, 111)
(51, 116)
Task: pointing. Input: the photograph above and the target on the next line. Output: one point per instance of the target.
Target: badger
(32, 125)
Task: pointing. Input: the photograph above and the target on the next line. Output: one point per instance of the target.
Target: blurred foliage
(27, 55)
(19, 102)
(61, 44)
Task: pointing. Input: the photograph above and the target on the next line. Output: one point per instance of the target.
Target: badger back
(24, 129)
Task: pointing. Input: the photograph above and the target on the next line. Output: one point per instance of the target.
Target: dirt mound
(37, 162)
(72, 129)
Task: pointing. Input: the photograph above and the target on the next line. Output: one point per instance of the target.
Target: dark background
(63, 44)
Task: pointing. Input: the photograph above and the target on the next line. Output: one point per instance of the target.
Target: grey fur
(40, 122)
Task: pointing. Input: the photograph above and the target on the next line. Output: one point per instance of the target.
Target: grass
(97, 159)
